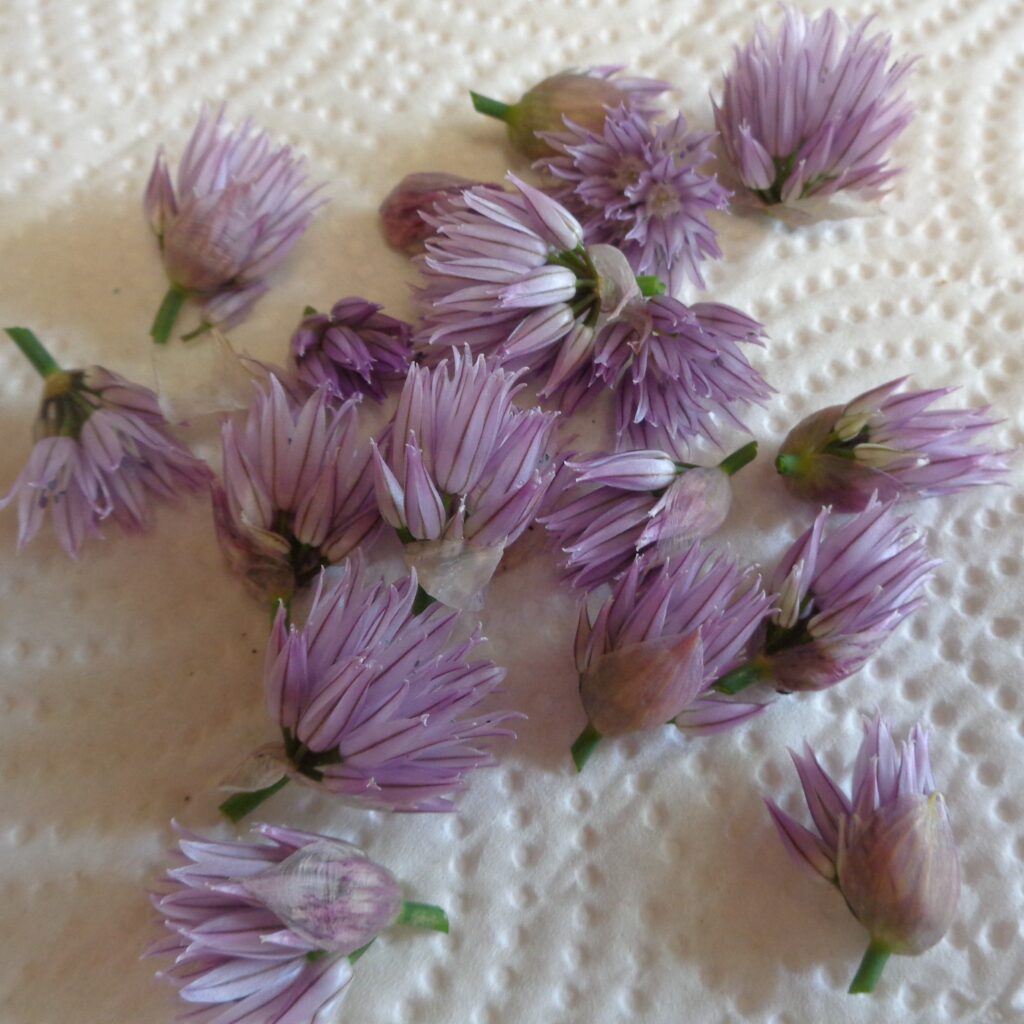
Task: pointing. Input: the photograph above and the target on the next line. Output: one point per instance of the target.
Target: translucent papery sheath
(103, 452)
(656, 645)
(678, 368)
(843, 587)
(297, 493)
(813, 108)
(888, 442)
(507, 274)
(266, 932)
(238, 207)
(377, 704)
(353, 349)
(639, 186)
(462, 472)
(888, 847)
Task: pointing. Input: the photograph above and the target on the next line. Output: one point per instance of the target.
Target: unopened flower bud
(401, 212)
(644, 685)
(582, 97)
(899, 872)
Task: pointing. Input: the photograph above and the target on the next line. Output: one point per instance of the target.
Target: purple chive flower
(375, 703)
(658, 643)
(401, 213)
(639, 187)
(888, 441)
(842, 591)
(583, 97)
(352, 349)
(808, 112)
(508, 274)
(267, 932)
(678, 367)
(888, 848)
(239, 206)
(297, 492)
(461, 473)
(604, 511)
(103, 451)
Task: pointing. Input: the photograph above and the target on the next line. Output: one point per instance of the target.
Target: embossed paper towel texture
(652, 888)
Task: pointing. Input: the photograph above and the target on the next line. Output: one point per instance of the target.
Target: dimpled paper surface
(652, 888)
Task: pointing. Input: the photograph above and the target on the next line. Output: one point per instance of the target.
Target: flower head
(808, 112)
(678, 367)
(508, 274)
(297, 493)
(639, 186)
(462, 472)
(238, 207)
(268, 931)
(378, 704)
(103, 451)
(888, 441)
(606, 510)
(401, 213)
(583, 97)
(352, 349)
(888, 847)
(657, 644)
(842, 591)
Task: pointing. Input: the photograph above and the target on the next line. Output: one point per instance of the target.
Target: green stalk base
(238, 805)
(584, 746)
(423, 915)
(163, 322)
(33, 350)
(492, 108)
(738, 459)
(876, 956)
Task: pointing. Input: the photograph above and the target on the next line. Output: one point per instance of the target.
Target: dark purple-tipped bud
(899, 872)
(401, 212)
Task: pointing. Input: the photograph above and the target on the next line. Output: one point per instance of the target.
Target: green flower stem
(738, 459)
(651, 285)
(492, 108)
(740, 678)
(238, 805)
(168, 312)
(788, 465)
(422, 601)
(33, 350)
(875, 958)
(584, 746)
(423, 915)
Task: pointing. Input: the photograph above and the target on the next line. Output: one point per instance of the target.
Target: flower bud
(899, 872)
(645, 470)
(401, 212)
(643, 685)
(694, 506)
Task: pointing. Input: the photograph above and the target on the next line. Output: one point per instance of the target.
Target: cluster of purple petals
(352, 350)
(843, 588)
(807, 112)
(678, 368)
(236, 960)
(377, 704)
(105, 454)
(462, 462)
(238, 207)
(703, 595)
(297, 493)
(638, 186)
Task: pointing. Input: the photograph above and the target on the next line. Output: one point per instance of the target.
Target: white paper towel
(651, 888)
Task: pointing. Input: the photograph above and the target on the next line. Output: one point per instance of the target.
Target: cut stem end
(491, 108)
(238, 805)
(423, 915)
(584, 746)
(163, 322)
(738, 459)
(34, 351)
(871, 966)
